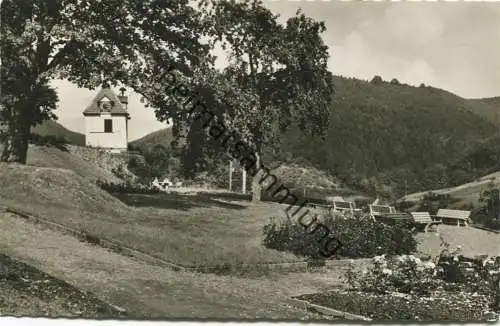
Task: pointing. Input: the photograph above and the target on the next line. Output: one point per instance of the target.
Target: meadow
(183, 229)
(186, 229)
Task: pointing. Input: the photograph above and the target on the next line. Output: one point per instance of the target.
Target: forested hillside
(395, 135)
(488, 108)
(51, 128)
(387, 138)
(161, 137)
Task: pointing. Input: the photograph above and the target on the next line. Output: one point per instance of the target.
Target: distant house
(106, 121)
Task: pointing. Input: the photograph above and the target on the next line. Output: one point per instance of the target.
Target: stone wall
(104, 159)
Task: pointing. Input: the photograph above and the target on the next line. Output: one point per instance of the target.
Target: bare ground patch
(24, 290)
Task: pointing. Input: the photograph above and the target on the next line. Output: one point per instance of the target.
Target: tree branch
(59, 56)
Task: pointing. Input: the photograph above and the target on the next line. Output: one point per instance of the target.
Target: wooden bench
(461, 217)
(424, 220)
(379, 210)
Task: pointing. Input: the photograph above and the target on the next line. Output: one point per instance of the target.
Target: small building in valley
(106, 121)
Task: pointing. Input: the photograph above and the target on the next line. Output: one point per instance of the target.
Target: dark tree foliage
(377, 80)
(86, 42)
(155, 161)
(277, 75)
(394, 81)
(432, 202)
(488, 212)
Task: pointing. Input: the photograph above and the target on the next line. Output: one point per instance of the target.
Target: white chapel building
(106, 121)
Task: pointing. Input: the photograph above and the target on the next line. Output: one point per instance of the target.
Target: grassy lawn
(474, 242)
(147, 291)
(188, 230)
(185, 229)
(45, 156)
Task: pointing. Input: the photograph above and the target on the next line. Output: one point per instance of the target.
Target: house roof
(116, 109)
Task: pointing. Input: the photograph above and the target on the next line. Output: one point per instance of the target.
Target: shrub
(474, 275)
(405, 274)
(432, 202)
(361, 237)
(127, 187)
(291, 237)
(493, 224)
(119, 172)
(404, 205)
(376, 80)
(441, 306)
(467, 207)
(489, 207)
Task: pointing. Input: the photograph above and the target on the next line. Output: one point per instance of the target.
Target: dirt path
(150, 291)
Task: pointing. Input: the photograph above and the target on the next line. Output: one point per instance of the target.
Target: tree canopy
(276, 77)
(88, 43)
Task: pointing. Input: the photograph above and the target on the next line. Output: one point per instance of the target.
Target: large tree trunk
(16, 136)
(256, 183)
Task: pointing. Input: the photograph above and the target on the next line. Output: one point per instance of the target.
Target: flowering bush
(363, 238)
(479, 275)
(477, 280)
(405, 274)
(443, 306)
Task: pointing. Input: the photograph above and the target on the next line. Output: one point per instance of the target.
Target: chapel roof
(116, 107)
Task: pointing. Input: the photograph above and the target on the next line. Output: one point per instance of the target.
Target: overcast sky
(454, 46)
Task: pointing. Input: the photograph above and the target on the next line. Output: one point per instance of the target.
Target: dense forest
(401, 138)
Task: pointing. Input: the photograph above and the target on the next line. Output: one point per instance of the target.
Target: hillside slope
(176, 228)
(471, 173)
(56, 130)
(302, 180)
(374, 128)
(488, 108)
(45, 191)
(393, 133)
(467, 193)
(161, 137)
(92, 166)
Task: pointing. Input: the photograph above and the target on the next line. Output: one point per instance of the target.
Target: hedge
(361, 237)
